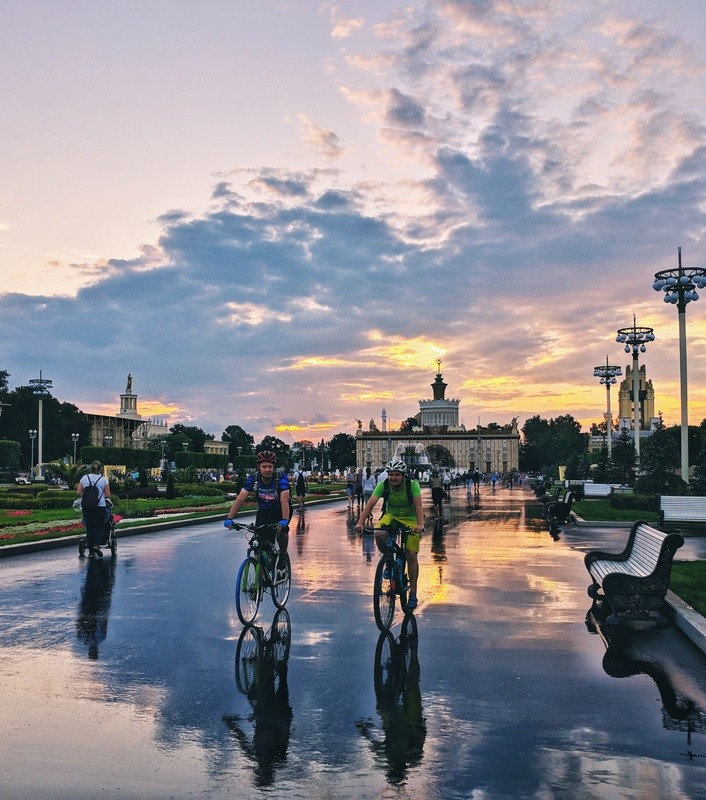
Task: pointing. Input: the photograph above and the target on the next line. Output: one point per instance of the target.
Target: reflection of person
(271, 714)
(92, 620)
(273, 504)
(403, 506)
(399, 704)
(96, 517)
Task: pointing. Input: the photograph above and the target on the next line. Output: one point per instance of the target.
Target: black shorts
(437, 494)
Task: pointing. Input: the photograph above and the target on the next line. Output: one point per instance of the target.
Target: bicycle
(259, 654)
(391, 577)
(264, 569)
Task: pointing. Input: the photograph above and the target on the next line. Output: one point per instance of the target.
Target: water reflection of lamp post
(679, 287)
(32, 437)
(635, 339)
(75, 438)
(608, 375)
(41, 387)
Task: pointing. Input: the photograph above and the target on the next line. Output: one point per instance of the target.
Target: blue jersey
(267, 493)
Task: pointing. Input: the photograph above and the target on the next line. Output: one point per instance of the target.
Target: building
(127, 428)
(438, 440)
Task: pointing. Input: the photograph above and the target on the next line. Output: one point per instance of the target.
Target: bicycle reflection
(94, 608)
(399, 704)
(261, 675)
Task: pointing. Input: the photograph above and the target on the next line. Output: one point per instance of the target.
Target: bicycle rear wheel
(248, 590)
(282, 585)
(384, 593)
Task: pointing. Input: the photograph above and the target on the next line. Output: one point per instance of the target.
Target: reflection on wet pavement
(139, 668)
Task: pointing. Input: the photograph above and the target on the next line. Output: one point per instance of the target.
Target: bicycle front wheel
(248, 590)
(384, 593)
(282, 581)
(248, 655)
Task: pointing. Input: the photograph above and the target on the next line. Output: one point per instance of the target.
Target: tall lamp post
(609, 375)
(679, 286)
(635, 340)
(75, 438)
(32, 437)
(41, 387)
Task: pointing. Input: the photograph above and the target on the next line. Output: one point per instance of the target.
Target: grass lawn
(602, 511)
(688, 581)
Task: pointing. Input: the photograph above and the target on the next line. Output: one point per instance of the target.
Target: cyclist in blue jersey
(273, 499)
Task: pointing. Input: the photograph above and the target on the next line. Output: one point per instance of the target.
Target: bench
(593, 490)
(552, 497)
(678, 509)
(635, 581)
(559, 511)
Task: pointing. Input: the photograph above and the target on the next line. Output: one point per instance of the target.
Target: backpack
(386, 492)
(91, 495)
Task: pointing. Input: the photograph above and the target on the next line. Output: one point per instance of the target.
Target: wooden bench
(552, 497)
(559, 512)
(635, 581)
(674, 509)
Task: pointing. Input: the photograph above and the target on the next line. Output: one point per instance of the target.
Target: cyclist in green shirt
(403, 506)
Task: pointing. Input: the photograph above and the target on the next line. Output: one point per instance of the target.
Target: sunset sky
(280, 214)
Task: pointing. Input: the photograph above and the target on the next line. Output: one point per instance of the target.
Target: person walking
(93, 490)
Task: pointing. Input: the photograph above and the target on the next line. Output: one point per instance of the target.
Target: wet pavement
(134, 679)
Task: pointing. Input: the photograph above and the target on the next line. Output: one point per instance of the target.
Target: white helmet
(396, 466)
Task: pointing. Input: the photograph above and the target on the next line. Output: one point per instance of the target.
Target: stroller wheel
(82, 547)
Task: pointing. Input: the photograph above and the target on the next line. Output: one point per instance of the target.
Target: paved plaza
(134, 678)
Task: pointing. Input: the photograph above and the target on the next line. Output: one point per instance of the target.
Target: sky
(280, 214)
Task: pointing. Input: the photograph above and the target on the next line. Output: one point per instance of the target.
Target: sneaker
(98, 552)
(412, 601)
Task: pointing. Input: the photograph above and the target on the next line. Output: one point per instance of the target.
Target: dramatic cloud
(535, 164)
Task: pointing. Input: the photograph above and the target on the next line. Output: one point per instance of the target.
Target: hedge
(638, 502)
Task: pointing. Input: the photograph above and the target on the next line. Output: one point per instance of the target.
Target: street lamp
(32, 437)
(75, 437)
(107, 441)
(679, 286)
(184, 446)
(635, 339)
(609, 375)
(41, 387)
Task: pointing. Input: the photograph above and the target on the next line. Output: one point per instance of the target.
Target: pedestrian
(369, 483)
(300, 487)
(350, 486)
(93, 489)
(437, 492)
(359, 489)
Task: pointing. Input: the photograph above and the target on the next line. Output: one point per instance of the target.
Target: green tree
(237, 437)
(659, 458)
(566, 439)
(195, 436)
(536, 446)
(341, 449)
(621, 468)
(69, 473)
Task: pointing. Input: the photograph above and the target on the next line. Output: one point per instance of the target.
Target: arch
(439, 456)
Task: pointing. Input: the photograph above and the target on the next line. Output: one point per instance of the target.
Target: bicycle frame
(390, 577)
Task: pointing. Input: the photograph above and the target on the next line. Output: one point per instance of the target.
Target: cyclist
(273, 503)
(403, 506)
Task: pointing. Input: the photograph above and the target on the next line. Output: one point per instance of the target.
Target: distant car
(23, 479)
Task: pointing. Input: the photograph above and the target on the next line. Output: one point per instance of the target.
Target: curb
(689, 621)
(9, 550)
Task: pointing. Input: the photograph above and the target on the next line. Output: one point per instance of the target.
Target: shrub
(638, 502)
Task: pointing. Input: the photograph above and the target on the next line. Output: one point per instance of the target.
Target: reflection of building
(439, 441)
(127, 428)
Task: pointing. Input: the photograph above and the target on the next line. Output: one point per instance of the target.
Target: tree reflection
(261, 675)
(399, 704)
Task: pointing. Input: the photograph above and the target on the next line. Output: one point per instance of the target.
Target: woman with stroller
(93, 490)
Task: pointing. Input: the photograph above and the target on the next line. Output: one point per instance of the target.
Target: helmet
(266, 457)
(396, 466)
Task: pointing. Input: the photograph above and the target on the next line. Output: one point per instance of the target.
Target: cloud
(530, 186)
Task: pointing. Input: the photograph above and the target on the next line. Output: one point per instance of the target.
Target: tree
(70, 473)
(566, 439)
(341, 449)
(621, 468)
(237, 437)
(409, 423)
(536, 446)
(278, 447)
(659, 458)
(195, 436)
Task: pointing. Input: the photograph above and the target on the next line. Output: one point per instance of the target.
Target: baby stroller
(110, 538)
